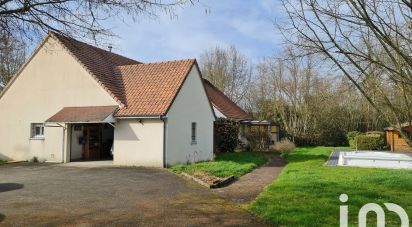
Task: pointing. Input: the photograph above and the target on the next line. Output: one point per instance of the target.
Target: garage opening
(91, 131)
(91, 142)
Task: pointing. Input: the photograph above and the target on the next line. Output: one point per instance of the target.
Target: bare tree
(369, 41)
(12, 56)
(283, 87)
(312, 106)
(228, 70)
(26, 19)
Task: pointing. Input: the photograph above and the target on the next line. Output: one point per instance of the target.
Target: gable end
(184, 81)
(121, 104)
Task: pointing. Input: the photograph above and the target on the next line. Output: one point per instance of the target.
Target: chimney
(110, 48)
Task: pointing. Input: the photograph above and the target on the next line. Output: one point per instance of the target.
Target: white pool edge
(367, 159)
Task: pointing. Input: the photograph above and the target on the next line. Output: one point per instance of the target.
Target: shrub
(351, 138)
(325, 137)
(365, 142)
(353, 134)
(310, 141)
(258, 138)
(284, 146)
(226, 135)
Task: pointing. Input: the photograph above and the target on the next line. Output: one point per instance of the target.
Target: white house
(72, 101)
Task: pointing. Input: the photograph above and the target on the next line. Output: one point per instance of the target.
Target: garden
(307, 193)
(225, 164)
(232, 160)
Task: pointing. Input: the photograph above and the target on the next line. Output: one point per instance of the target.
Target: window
(193, 132)
(37, 130)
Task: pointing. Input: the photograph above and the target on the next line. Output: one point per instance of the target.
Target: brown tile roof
(100, 63)
(226, 106)
(151, 88)
(141, 89)
(83, 114)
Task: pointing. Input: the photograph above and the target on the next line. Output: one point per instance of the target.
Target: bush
(353, 134)
(326, 137)
(258, 138)
(307, 141)
(368, 141)
(351, 138)
(226, 135)
(284, 146)
(365, 142)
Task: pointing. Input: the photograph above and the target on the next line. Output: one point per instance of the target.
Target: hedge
(364, 142)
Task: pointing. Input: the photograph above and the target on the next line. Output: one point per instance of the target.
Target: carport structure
(88, 132)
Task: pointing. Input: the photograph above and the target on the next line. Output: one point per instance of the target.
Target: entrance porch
(88, 132)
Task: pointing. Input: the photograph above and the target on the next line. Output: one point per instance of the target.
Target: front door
(93, 142)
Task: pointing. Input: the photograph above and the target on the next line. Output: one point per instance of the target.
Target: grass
(307, 193)
(225, 164)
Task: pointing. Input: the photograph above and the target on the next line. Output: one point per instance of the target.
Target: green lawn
(307, 193)
(225, 164)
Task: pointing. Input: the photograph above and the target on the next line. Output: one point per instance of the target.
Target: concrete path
(249, 186)
(333, 159)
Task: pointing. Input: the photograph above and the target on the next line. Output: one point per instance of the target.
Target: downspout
(164, 119)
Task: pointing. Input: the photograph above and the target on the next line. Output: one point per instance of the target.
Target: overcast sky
(247, 24)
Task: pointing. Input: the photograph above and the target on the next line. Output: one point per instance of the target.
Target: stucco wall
(190, 105)
(138, 143)
(50, 81)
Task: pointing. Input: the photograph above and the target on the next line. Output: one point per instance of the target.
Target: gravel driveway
(49, 194)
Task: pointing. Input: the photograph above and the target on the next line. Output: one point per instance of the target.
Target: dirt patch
(208, 179)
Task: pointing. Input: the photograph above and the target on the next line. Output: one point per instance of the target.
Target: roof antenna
(110, 48)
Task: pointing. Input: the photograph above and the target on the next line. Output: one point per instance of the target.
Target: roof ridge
(92, 46)
(171, 61)
(89, 106)
(158, 63)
